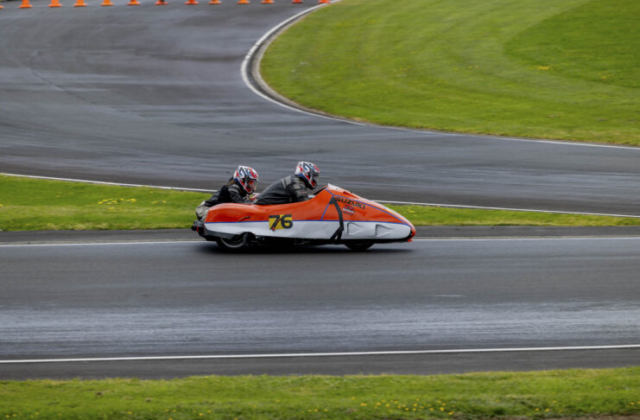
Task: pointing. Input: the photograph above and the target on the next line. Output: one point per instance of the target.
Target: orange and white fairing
(319, 218)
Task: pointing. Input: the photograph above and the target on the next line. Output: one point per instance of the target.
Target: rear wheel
(359, 246)
(235, 243)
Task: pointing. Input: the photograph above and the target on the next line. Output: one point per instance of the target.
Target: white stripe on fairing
(315, 229)
(453, 206)
(337, 354)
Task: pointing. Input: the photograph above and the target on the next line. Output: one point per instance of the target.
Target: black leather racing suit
(227, 194)
(287, 190)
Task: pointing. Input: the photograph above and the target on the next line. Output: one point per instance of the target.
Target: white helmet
(309, 173)
(247, 178)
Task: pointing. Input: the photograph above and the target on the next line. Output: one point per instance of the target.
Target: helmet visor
(250, 185)
(313, 179)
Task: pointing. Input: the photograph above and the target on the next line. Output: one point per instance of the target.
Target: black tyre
(359, 246)
(232, 244)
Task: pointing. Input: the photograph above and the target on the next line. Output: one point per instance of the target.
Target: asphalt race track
(154, 95)
(187, 299)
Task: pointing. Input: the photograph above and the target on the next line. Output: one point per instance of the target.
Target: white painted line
(454, 206)
(245, 69)
(553, 142)
(280, 100)
(337, 354)
(83, 244)
(117, 184)
(439, 239)
(526, 238)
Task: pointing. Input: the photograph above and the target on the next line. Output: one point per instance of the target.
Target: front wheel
(235, 243)
(359, 246)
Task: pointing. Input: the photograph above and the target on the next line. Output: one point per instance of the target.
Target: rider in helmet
(239, 189)
(293, 188)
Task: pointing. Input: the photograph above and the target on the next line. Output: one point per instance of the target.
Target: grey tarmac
(64, 301)
(163, 235)
(154, 95)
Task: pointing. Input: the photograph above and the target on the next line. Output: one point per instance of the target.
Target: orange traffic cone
(80, 3)
(55, 3)
(191, 2)
(161, 3)
(107, 3)
(215, 2)
(267, 2)
(133, 3)
(296, 2)
(25, 5)
(324, 1)
(243, 1)
(1, 6)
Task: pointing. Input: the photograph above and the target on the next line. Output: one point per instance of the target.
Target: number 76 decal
(280, 221)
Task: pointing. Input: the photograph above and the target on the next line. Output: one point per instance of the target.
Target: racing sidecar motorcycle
(332, 216)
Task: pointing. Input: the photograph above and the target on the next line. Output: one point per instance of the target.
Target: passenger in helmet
(293, 188)
(239, 189)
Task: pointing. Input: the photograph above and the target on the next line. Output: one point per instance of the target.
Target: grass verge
(34, 204)
(531, 395)
(528, 68)
(440, 216)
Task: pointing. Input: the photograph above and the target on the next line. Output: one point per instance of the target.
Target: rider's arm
(237, 196)
(298, 191)
(213, 200)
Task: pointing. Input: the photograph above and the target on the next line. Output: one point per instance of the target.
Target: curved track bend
(154, 95)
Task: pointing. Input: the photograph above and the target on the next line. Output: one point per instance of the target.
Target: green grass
(532, 395)
(34, 204)
(531, 68)
(439, 216)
